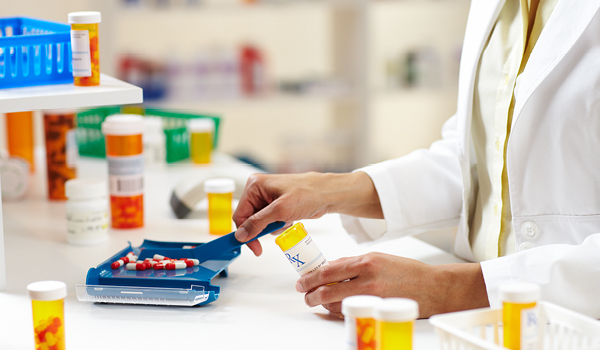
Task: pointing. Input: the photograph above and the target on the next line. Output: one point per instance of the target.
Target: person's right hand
(269, 198)
(291, 197)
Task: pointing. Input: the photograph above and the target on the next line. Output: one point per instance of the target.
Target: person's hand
(291, 197)
(437, 288)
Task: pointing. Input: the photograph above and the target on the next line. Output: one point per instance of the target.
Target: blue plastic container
(34, 52)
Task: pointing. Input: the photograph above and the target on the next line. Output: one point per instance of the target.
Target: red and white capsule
(135, 266)
(191, 262)
(117, 264)
(177, 265)
(158, 257)
(158, 266)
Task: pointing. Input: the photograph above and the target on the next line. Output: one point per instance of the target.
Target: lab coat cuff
(496, 272)
(388, 195)
(362, 229)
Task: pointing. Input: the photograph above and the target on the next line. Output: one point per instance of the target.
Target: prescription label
(72, 151)
(529, 329)
(126, 175)
(305, 256)
(80, 53)
(88, 224)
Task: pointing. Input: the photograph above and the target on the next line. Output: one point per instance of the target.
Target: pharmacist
(517, 170)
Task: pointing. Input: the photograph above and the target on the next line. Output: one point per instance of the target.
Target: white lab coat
(553, 163)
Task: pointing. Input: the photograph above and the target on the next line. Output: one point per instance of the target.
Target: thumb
(257, 222)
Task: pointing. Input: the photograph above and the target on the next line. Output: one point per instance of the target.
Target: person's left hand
(437, 288)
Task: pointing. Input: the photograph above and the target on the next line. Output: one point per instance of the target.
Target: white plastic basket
(560, 329)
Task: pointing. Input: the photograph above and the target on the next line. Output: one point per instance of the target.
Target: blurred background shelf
(397, 61)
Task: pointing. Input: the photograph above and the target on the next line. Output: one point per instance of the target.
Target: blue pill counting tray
(186, 287)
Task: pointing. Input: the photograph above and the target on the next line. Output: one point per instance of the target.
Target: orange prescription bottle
(47, 304)
(394, 323)
(124, 153)
(61, 150)
(220, 212)
(84, 47)
(520, 315)
(19, 130)
(201, 139)
(359, 323)
(300, 250)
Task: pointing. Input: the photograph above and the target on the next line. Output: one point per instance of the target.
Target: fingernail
(241, 234)
(299, 288)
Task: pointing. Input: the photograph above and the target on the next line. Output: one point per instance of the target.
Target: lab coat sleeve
(569, 275)
(418, 192)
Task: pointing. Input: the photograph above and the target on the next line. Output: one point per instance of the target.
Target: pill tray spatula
(187, 287)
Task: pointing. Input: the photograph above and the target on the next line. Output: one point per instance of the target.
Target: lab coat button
(529, 229)
(525, 246)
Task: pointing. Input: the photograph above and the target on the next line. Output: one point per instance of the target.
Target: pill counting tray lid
(190, 286)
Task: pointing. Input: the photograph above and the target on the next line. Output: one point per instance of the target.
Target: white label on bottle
(86, 225)
(72, 151)
(126, 175)
(80, 53)
(305, 256)
(529, 329)
(350, 327)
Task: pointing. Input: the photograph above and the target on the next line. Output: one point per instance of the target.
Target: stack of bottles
(222, 73)
(378, 323)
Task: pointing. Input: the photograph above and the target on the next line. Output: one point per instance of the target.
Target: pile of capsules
(50, 334)
(159, 262)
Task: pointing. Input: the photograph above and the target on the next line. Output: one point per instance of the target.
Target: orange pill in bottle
(124, 153)
(19, 132)
(359, 321)
(84, 47)
(61, 150)
(47, 304)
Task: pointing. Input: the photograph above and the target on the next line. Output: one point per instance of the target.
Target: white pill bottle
(87, 211)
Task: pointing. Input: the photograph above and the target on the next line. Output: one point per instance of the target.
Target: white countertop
(258, 307)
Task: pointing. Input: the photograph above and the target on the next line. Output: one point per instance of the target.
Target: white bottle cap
(15, 177)
(85, 17)
(47, 290)
(397, 310)
(123, 124)
(219, 186)
(201, 125)
(153, 125)
(520, 292)
(359, 306)
(85, 188)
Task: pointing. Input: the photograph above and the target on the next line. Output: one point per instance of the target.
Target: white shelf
(111, 91)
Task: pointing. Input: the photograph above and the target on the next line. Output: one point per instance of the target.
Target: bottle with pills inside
(359, 322)
(220, 211)
(520, 315)
(19, 136)
(300, 250)
(47, 304)
(394, 323)
(61, 150)
(124, 153)
(84, 47)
